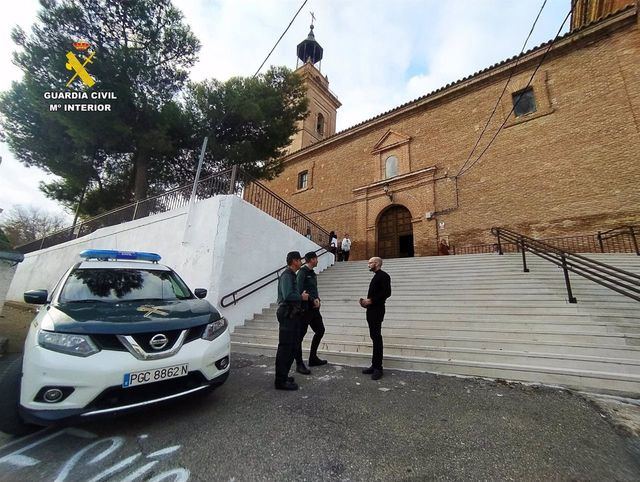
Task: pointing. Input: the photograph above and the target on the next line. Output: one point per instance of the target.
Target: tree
(150, 140)
(143, 51)
(249, 121)
(24, 224)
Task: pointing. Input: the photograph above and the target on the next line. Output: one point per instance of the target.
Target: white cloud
(377, 54)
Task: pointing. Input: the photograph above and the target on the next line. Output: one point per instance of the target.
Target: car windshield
(84, 285)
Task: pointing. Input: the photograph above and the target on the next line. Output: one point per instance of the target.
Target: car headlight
(78, 345)
(215, 329)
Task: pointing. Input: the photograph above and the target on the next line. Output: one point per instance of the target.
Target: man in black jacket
(379, 291)
(289, 315)
(307, 281)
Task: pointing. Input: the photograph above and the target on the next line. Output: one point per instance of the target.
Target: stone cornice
(396, 179)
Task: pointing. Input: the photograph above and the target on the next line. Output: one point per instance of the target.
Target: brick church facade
(566, 162)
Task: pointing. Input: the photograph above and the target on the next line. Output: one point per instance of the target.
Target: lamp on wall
(387, 192)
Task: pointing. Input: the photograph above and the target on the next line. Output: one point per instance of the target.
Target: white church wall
(229, 243)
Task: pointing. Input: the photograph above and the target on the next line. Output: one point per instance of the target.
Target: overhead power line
(524, 45)
(278, 41)
(544, 56)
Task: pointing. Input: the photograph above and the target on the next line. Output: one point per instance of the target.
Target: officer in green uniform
(307, 281)
(289, 315)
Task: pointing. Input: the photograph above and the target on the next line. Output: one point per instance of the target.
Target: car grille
(117, 396)
(108, 342)
(143, 339)
(111, 342)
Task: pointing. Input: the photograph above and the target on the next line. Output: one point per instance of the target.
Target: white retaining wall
(229, 243)
(7, 270)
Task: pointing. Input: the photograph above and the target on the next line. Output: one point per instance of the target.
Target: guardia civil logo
(80, 96)
(79, 69)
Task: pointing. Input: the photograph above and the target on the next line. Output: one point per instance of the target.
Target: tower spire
(309, 50)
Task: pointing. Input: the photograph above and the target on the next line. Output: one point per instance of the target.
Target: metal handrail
(585, 243)
(616, 279)
(234, 294)
(256, 193)
(131, 209)
(619, 231)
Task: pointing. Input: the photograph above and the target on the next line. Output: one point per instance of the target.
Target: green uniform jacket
(306, 279)
(287, 290)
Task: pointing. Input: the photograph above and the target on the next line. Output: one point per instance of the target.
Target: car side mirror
(36, 297)
(200, 292)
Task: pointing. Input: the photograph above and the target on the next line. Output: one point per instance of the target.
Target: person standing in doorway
(346, 247)
(289, 315)
(307, 281)
(379, 291)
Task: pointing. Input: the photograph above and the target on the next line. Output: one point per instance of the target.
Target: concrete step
(502, 334)
(350, 308)
(515, 344)
(627, 366)
(496, 321)
(603, 382)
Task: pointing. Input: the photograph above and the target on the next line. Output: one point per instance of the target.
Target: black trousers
(375, 316)
(345, 255)
(312, 318)
(287, 344)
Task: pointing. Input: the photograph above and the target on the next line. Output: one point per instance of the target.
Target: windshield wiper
(86, 301)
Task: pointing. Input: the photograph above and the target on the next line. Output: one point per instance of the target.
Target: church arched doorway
(395, 233)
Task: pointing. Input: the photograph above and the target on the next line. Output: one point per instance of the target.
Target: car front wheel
(10, 420)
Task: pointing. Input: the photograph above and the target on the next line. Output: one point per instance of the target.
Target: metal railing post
(42, 242)
(524, 258)
(567, 282)
(135, 211)
(600, 242)
(232, 182)
(635, 241)
(499, 243)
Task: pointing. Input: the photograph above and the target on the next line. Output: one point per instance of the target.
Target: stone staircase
(479, 315)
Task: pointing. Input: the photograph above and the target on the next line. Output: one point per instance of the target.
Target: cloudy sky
(377, 54)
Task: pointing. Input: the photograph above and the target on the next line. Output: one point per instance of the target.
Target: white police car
(119, 331)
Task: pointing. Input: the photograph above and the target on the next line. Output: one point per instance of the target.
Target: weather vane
(313, 18)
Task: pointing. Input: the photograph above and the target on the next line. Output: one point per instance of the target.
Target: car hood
(128, 317)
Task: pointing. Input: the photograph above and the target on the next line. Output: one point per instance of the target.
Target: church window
(391, 167)
(524, 102)
(303, 178)
(320, 124)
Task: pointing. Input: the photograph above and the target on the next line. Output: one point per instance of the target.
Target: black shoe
(286, 386)
(291, 379)
(301, 368)
(316, 362)
(367, 371)
(376, 375)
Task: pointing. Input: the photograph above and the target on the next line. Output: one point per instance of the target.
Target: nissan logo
(159, 341)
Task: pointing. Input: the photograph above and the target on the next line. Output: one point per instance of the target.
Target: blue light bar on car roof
(105, 254)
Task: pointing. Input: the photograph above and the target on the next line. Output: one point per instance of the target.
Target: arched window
(391, 167)
(320, 124)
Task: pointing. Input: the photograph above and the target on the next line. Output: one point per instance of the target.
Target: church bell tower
(323, 105)
(587, 11)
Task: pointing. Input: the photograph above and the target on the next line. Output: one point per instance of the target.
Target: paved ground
(339, 426)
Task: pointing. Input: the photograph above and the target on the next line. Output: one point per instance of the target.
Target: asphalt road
(341, 425)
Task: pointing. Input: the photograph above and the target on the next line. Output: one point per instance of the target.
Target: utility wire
(503, 90)
(278, 41)
(528, 84)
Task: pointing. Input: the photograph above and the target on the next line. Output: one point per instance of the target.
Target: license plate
(157, 374)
